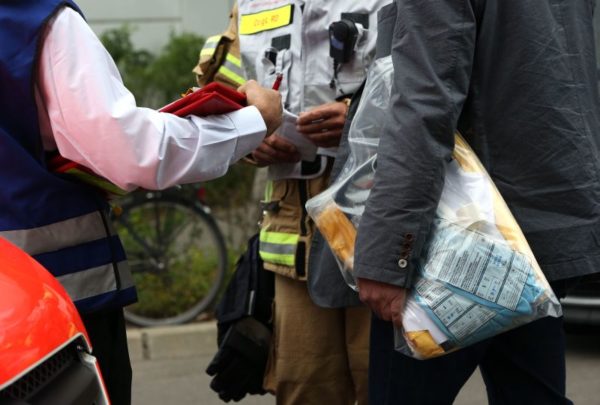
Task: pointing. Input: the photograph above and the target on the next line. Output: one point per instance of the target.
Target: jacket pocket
(272, 62)
(281, 228)
(287, 231)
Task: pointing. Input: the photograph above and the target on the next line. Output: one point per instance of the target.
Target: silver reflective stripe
(232, 72)
(210, 45)
(59, 235)
(95, 281)
(125, 274)
(234, 68)
(278, 248)
(234, 60)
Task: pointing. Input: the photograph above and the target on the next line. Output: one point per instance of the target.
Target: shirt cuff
(251, 130)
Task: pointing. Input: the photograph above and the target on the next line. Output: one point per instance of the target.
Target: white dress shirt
(87, 113)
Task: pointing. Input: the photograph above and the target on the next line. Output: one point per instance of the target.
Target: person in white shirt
(80, 92)
(60, 91)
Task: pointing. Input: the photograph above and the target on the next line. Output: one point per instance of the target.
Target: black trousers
(109, 340)
(522, 366)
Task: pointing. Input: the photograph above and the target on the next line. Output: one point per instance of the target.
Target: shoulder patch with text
(266, 20)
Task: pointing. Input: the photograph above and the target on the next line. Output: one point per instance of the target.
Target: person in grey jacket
(518, 79)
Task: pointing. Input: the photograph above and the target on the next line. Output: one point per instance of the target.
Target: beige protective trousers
(319, 355)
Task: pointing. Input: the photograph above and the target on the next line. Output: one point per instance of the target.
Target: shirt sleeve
(88, 114)
(432, 53)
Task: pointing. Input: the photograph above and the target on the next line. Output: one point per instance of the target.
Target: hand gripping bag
(477, 276)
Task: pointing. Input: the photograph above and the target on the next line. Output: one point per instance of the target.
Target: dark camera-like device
(343, 35)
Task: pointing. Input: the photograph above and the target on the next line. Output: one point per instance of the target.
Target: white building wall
(154, 20)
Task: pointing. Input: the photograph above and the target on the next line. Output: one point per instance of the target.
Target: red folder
(214, 98)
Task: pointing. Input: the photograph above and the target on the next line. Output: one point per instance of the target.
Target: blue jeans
(522, 366)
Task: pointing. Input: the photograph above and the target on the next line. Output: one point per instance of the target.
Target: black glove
(239, 365)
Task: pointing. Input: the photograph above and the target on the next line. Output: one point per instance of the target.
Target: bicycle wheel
(177, 257)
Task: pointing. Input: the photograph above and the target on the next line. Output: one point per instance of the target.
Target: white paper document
(287, 130)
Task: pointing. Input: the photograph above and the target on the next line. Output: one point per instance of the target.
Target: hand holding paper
(275, 149)
(304, 145)
(323, 125)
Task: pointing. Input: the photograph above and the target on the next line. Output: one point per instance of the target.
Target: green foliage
(174, 259)
(171, 71)
(233, 189)
(153, 79)
(135, 65)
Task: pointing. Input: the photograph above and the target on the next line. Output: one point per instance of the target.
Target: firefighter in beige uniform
(319, 355)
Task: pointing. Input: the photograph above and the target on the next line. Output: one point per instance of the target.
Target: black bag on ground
(244, 326)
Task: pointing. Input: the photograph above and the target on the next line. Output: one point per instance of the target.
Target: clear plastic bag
(477, 276)
(337, 210)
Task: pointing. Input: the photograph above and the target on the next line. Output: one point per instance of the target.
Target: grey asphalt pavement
(169, 363)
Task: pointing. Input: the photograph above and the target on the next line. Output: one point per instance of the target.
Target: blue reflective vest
(61, 223)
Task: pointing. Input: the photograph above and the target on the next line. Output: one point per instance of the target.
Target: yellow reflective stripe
(278, 247)
(233, 68)
(236, 61)
(286, 260)
(207, 52)
(234, 77)
(266, 20)
(210, 46)
(213, 39)
(279, 238)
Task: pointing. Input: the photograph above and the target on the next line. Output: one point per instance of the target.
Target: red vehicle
(45, 353)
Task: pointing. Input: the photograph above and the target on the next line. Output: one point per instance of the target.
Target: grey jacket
(518, 78)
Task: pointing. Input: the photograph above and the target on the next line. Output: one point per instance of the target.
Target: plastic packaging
(477, 276)
(337, 210)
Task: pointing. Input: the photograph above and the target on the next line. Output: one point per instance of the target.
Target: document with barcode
(476, 263)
